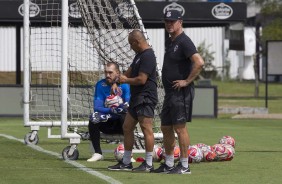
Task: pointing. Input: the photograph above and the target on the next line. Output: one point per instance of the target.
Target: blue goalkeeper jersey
(102, 90)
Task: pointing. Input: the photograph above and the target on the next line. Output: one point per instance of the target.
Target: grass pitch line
(74, 163)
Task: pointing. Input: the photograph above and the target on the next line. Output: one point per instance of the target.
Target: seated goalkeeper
(106, 119)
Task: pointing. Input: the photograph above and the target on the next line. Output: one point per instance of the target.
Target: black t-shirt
(144, 62)
(177, 64)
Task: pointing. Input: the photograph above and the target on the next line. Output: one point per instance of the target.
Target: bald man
(141, 75)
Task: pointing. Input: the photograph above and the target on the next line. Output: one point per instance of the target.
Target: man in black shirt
(181, 66)
(141, 75)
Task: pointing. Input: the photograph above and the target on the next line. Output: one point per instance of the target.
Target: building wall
(157, 37)
(241, 65)
(214, 38)
(7, 49)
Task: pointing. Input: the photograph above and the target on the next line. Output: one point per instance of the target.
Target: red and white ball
(157, 153)
(176, 153)
(119, 152)
(230, 152)
(195, 154)
(221, 152)
(227, 140)
(203, 147)
(200, 145)
(113, 101)
(208, 153)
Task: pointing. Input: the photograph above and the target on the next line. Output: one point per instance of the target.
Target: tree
(270, 20)
(209, 70)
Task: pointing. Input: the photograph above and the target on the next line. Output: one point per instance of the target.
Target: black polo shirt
(144, 62)
(177, 64)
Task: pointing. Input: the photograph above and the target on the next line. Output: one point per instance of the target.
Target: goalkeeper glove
(97, 117)
(121, 109)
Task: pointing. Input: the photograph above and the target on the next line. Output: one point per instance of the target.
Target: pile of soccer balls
(224, 150)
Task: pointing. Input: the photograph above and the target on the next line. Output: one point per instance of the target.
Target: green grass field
(241, 94)
(258, 156)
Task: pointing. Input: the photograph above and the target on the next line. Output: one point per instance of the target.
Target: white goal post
(65, 48)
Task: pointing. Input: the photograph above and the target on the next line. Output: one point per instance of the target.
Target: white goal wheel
(29, 140)
(73, 156)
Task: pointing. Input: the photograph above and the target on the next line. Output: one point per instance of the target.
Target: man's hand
(122, 79)
(97, 117)
(178, 84)
(93, 118)
(115, 90)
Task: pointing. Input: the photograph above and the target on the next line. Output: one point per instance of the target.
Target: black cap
(172, 15)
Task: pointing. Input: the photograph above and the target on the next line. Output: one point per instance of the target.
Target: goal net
(97, 33)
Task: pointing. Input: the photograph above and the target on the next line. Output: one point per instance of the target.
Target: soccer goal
(65, 48)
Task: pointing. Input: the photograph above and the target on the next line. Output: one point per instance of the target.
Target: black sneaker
(121, 167)
(144, 167)
(163, 169)
(179, 169)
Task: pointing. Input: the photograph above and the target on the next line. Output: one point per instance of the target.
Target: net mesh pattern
(97, 34)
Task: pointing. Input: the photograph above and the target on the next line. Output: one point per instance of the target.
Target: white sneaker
(95, 157)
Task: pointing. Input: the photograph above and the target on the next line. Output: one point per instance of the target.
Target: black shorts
(112, 126)
(177, 107)
(145, 109)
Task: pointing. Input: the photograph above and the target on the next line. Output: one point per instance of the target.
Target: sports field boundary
(73, 163)
(257, 116)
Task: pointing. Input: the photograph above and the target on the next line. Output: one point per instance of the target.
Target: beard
(109, 81)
